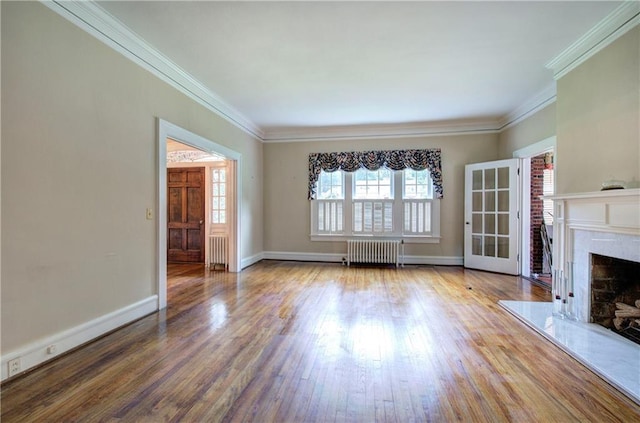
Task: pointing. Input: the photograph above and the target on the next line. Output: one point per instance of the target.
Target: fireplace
(592, 231)
(613, 248)
(615, 295)
(605, 223)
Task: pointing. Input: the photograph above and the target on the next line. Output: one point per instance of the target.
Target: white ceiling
(316, 64)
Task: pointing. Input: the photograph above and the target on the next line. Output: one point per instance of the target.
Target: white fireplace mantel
(615, 210)
(604, 222)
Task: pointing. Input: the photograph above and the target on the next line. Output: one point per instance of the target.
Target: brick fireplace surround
(587, 225)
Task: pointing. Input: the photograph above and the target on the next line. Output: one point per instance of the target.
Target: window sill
(407, 239)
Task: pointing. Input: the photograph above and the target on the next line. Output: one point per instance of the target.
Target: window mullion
(398, 213)
(347, 208)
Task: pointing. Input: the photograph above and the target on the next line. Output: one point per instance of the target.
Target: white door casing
(168, 130)
(525, 154)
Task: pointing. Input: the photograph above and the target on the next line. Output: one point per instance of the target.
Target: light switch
(149, 214)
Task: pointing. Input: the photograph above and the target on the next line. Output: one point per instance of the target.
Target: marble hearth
(604, 352)
(605, 223)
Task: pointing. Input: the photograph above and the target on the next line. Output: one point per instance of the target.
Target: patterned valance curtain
(374, 160)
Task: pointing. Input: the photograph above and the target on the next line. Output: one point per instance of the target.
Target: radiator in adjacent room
(218, 250)
(373, 251)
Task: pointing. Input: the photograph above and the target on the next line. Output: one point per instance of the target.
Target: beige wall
(78, 171)
(596, 120)
(286, 179)
(79, 167)
(598, 110)
(531, 130)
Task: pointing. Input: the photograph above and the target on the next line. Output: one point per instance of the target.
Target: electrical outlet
(14, 366)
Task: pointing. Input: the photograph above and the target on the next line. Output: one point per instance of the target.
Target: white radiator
(374, 251)
(218, 250)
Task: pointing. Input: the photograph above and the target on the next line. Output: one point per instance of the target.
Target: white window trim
(433, 238)
(217, 228)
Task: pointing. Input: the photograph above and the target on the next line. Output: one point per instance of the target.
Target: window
(372, 201)
(547, 189)
(331, 185)
(330, 203)
(374, 184)
(381, 203)
(417, 184)
(372, 217)
(330, 217)
(218, 196)
(417, 198)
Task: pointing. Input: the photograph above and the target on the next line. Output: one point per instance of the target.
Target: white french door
(491, 216)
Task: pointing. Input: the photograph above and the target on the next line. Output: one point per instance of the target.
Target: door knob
(201, 222)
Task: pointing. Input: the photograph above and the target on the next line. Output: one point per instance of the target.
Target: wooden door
(185, 215)
(491, 216)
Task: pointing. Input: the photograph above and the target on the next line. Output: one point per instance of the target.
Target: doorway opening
(197, 193)
(188, 148)
(541, 218)
(537, 214)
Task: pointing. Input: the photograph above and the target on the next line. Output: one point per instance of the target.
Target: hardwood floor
(293, 342)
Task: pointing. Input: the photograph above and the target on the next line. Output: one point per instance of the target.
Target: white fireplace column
(603, 222)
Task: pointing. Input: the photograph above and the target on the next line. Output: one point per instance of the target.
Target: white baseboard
(337, 258)
(435, 260)
(248, 261)
(36, 353)
(288, 255)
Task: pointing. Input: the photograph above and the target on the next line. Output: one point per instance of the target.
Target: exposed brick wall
(537, 182)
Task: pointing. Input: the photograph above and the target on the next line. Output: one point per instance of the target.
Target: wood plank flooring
(296, 342)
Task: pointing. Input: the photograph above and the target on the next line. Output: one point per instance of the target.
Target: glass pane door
(491, 216)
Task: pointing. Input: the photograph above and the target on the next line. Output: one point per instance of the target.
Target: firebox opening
(615, 295)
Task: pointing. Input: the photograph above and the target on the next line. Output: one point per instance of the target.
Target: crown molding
(616, 24)
(530, 107)
(392, 130)
(96, 21)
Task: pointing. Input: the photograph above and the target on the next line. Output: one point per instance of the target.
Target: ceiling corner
(96, 21)
(533, 105)
(399, 130)
(616, 24)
